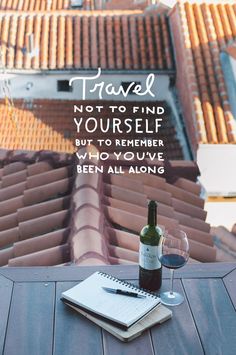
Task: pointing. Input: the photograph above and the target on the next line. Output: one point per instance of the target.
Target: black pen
(123, 292)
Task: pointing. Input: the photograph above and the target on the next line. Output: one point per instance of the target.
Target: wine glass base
(171, 299)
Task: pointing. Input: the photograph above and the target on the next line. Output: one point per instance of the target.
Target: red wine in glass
(174, 254)
(173, 261)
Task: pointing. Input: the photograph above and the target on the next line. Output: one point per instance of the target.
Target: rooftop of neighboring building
(51, 216)
(201, 31)
(49, 125)
(79, 5)
(85, 40)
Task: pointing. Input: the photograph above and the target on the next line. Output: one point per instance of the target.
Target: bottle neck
(152, 215)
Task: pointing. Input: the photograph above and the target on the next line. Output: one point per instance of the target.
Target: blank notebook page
(121, 309)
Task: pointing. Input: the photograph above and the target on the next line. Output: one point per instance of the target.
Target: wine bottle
(150, 269)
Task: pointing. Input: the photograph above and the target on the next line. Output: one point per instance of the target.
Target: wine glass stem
(171, 280)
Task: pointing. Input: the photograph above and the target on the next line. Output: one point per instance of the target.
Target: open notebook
(122, 310)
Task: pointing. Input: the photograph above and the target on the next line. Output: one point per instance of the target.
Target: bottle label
(148, 256)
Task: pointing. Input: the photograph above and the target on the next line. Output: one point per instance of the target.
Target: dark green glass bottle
(150, 270)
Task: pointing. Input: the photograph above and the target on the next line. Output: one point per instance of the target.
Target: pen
(123, 292)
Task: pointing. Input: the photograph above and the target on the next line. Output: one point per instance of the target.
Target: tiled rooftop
(86, 40)
(53, 5)
(49, 124)
(50, 218)
(225, 242)
(35, 192)
(200, 33)
(40, 5)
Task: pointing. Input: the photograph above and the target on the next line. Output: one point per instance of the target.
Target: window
(126, 84)
(63, 86)
(76, 4)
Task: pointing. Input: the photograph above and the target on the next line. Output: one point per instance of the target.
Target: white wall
(45, 86)
(221, 214)
(217, 163)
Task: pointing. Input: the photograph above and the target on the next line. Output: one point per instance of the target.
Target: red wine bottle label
(148, 256)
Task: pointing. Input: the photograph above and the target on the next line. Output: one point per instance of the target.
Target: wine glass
(174, 254)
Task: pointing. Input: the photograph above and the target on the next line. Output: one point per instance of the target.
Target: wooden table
(33, 320)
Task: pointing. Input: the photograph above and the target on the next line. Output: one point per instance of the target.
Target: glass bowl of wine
(174, 255)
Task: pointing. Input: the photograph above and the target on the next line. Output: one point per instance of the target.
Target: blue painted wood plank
(6, 287)
(178, 335)
(230, 284)
(214, 315)
(73, 333)
(30, 325)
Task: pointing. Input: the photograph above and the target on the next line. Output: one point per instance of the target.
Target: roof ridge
(73, 12)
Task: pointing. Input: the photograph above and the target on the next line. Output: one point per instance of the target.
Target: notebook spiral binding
(142, 291)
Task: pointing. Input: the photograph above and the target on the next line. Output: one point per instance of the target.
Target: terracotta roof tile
(47, 177)
(8, 237)
(126, 42)
(141, 42)
(166, 42)
(225, 243)
(157, 39)
(37, 35)
(12, 191)
(61, 44)
(123, 253)
(14, 179)
(69, 42)
(42, 225)
(234, 229)
(87, 243)
(12, 42)
(20, 42)
(44, 43)
(77, 43)
(45, 241)
(54, 43)
(94, 43)
(232, 18)
(38, 194)
(48, 257)
(11, 206)
(148, 25)
(5, 22)
(26, 5)
(102, 43)
(28, 31)
(8, 222)
(203, 32)
(5, 255)
(42, 209)
(86, 40)
(13, 168)
(118, 42)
